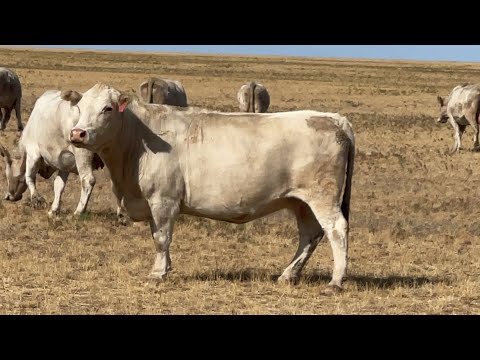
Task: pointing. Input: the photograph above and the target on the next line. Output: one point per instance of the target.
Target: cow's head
(101, 108)
(443, 117)
(15, 173)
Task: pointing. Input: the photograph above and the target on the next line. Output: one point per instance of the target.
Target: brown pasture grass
(414, 238)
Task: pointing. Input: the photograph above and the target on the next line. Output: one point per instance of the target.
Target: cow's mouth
(76, 142)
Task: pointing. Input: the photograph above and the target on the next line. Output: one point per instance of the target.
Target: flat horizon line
(226, 54)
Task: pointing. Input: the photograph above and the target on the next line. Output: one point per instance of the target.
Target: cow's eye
(107, 109)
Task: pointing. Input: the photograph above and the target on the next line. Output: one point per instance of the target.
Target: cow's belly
(238, 212)
(63, 160)
(137, 208)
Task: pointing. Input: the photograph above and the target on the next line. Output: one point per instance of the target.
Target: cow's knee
(89, 181)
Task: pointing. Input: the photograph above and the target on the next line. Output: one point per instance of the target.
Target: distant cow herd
(166, 158)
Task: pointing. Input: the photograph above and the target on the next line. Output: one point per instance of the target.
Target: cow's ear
(72, 96)
(123, 101)
(440, 100)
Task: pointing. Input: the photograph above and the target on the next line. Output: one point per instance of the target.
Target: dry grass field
(415, 229)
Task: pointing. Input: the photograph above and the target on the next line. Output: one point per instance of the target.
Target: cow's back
(47, 129)
(463, 94)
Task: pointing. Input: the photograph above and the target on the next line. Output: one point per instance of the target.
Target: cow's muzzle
(78, 136)
(10, 197)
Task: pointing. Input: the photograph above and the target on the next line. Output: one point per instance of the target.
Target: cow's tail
(149, 91)
(347, 128)
(251, 102)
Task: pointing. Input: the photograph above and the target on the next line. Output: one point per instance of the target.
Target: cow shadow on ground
(362, 282)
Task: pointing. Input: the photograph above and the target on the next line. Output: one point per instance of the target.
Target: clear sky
(469, 53)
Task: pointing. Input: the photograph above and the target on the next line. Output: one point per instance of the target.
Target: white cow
(43, 148)
(10, 97)
(461, 108)
(232, 167)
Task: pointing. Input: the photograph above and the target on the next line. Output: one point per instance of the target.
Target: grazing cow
(253, 97)
(10, 98)
(163, 91)
(43, 148)
(232, 167)
(461, 108)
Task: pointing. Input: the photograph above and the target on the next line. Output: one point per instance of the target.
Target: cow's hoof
(156, 278)
(331, 290)
(287, 280)
(53, 214)
(122, 220)
(38, 202)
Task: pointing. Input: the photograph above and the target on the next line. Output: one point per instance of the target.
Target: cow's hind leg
(335, 225)
(18, 114)
(58, 187)
(164, 213)
(2, 125)
(6, 117)
(471, 117)
(310, 233)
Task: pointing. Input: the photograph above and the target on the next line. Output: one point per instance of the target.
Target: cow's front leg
(58, 187)
(83, 160)
(164, 213)
(476, 144)
(32, 166)
(457, 134)
(471, 117)
(122, 216)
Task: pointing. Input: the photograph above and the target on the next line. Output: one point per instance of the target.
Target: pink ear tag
(122, 107)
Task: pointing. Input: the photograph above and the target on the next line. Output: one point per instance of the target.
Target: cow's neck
(121, 155)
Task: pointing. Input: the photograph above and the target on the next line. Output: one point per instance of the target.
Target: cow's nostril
(82, 134)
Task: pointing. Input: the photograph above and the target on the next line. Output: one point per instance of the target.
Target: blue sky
(469, 53)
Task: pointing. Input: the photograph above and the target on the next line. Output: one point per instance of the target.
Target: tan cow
(461, 108)
(253, 97)
(10, 98)
(163, 91)
(43, 148)
(232, 167)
